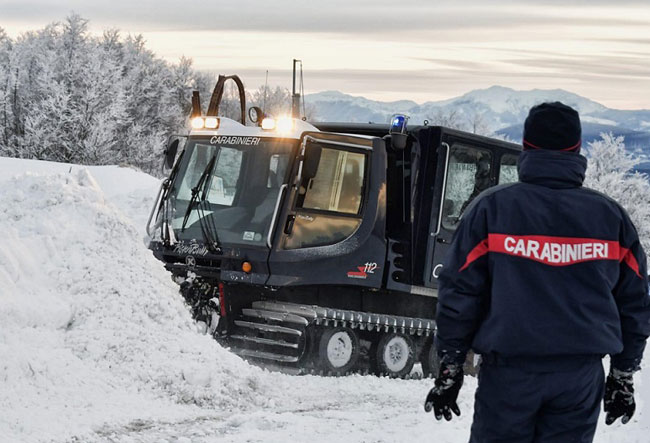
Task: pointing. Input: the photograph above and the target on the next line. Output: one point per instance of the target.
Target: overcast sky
(389, 50)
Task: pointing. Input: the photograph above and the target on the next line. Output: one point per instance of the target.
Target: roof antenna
(302, 93)
(295, 96)
(266, 85)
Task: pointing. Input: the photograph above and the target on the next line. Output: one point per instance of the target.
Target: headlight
(285, 124)
(268, 123)
(198, 123)
(211, 122)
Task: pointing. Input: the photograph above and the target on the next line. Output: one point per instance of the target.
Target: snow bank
(93, 329)
(129, 189)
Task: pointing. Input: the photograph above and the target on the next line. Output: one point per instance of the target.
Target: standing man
(544, 277)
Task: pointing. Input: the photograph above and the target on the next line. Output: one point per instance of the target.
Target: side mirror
(170, 153)
(311, 161)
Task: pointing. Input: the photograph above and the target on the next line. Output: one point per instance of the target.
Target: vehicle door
(465, 170)
(330, 226)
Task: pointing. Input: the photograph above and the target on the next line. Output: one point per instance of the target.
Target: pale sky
(388, 50)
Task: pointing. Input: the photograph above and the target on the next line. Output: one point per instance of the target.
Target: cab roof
(382, 130)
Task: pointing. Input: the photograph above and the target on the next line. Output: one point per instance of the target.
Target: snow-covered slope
(96, 344)
(93, 329)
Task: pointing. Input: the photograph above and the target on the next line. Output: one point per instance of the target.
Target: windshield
(240, 192)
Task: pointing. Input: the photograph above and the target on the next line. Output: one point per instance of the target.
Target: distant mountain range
(496, 110)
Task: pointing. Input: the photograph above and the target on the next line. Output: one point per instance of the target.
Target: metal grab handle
(444, 191)
(155, 206)
(217, 95)
(274, 218)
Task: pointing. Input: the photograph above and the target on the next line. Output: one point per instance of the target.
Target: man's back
(553, 250)
(543, 278)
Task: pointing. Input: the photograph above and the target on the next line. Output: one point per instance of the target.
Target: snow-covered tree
(475, 122)
(68, 96)
(610, 171)
(5, 93)
(276, 101)
(448, 118)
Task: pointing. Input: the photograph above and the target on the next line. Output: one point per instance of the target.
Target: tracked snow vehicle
(318, 246)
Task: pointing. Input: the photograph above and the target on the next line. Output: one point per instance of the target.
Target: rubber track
(328, 317)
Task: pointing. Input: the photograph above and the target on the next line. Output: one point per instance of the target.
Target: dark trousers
(527, 403)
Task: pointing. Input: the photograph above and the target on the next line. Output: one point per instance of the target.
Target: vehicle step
(267, 328)
(265, 355)
(292, 308)
(265, 341)
(275, 315)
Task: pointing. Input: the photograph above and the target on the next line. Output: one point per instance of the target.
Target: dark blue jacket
(545, 267)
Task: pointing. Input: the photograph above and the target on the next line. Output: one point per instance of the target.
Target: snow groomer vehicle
(317, 246)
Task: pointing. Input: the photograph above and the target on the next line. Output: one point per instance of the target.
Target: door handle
(288, 226)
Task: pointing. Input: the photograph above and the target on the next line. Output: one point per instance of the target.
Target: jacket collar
(554, 169)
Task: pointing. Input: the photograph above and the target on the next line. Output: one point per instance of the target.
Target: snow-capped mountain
(340, 107)
(493, 110)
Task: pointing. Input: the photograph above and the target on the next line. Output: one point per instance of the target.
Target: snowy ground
(97, 346)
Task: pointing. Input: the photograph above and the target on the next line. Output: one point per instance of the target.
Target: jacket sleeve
(463, 285)
(632, 299)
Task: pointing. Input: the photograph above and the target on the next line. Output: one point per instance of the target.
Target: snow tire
(338, 350)
(395, 355)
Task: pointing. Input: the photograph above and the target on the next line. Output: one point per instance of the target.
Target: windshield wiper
(208, 226)
(167, 233)
(172, 176)
(197, 189)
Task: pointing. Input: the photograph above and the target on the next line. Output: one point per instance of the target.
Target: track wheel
(338, 350)
(430, 361)
(395, 355)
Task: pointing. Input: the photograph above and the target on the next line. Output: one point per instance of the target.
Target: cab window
(329, 204)
(200, 156)
(508, 169)
(468, 175)
(223, 185)
(223, 181)
(338, 184)
(278, 164)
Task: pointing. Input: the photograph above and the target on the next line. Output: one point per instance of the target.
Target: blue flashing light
(398, 124)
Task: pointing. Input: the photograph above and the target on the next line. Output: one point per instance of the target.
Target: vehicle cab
(255, 204)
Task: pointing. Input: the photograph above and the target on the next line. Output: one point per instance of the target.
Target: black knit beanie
(552, 126)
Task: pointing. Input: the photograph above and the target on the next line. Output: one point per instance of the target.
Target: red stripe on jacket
(553, 251)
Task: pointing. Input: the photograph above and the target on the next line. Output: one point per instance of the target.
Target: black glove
(442, 397)
(619, 396)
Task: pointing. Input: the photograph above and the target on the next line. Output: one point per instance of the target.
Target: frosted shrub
(610, 172)
(69, 96)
